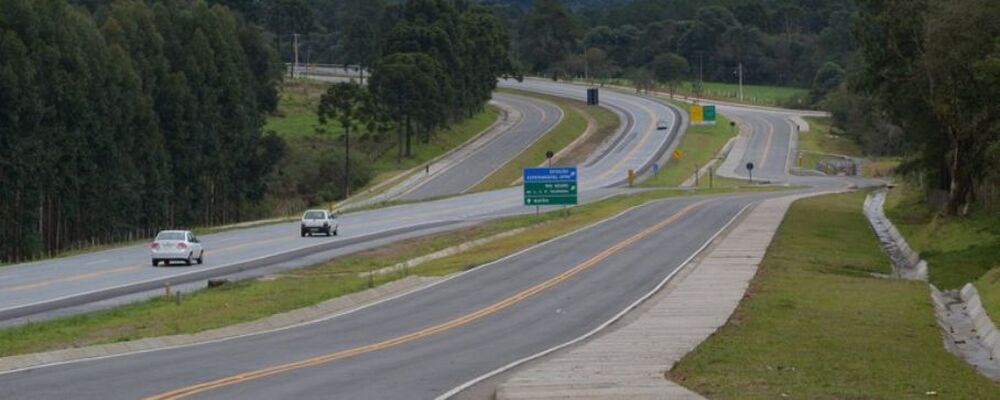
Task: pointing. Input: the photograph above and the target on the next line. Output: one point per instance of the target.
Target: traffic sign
(697, 114)
(708, 113)
(550, 186)
(678, 154)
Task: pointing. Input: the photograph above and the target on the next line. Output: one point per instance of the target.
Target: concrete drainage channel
(968, 332)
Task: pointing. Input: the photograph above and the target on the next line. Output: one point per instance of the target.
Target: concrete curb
(630, 362)
(444, 252)
(906, 263)
(294, 317)
(721, 155)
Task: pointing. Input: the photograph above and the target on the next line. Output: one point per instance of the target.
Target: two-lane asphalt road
(537, 118)
(422, 344)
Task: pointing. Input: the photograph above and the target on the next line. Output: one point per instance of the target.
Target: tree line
(925, 87)
(128, 118)
(433, 63)
(777, 42)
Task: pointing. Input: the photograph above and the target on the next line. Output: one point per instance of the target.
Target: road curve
(422, 344)
(32, 288)
(537, 118)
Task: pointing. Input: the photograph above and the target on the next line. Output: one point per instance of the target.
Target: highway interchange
(426, 343)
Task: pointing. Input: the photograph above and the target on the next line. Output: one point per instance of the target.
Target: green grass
(821, 142)
(573, 124)
(700, 144)
(815, 325)
(989, 293)
(778, 96)
(296, 114)
(250, 300)
(958, 250)
(440, 143)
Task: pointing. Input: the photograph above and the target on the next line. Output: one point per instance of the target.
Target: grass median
(254, 299)
(816, 324)
(701, 144)
(574, 123)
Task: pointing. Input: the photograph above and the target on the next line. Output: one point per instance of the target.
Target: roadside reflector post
(696, 176)
(166, 289)
(711, 171)
(631, 178)
(177, 298)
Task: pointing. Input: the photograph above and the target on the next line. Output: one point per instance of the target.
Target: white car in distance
(177, 246)
(319, 221)
(661, 125)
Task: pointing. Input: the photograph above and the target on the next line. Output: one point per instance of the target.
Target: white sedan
(177, 246)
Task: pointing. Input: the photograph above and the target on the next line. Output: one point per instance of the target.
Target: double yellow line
(442, 327)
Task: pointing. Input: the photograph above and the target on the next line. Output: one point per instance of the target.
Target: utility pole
(740, 69)
(701, 73)
(295, 45)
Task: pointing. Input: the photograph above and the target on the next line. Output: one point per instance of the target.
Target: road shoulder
(630, 362)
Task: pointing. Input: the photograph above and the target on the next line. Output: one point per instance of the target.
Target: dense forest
(122, 117)
(141, 116)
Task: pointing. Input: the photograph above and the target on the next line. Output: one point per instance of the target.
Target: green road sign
(708, 113)
(550, 186)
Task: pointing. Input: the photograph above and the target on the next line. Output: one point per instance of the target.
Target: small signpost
(550, 186)
(750, 171)
(708, 114)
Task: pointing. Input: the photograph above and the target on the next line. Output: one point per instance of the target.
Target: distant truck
(319, 221)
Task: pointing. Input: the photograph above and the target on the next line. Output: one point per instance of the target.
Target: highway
(537, 118)
(424, 344)
(34, 288)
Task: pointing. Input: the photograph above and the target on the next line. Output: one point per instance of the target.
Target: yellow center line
(95, 274)
(767, 147)
(645, 136)
(442, 327)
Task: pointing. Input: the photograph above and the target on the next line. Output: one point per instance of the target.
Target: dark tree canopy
(144, 117)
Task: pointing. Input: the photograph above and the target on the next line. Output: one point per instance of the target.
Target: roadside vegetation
(815, 323)
(578, 118)
(958, 250)
(253, 299)
(822, 141)
(761, 95)
(699, 146)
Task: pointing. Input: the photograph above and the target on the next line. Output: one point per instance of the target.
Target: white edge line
(551, 128)
(596, 330)
(329, 317)
(181, 275)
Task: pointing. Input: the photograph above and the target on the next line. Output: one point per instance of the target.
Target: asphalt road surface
(538, 117)
(422, 344)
